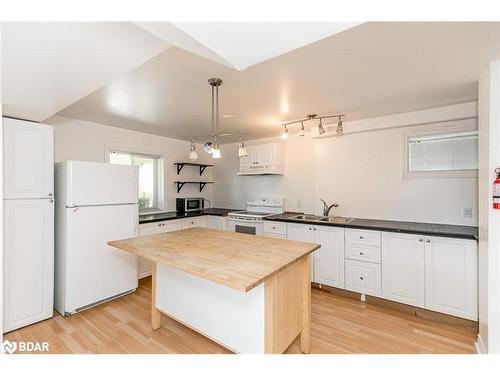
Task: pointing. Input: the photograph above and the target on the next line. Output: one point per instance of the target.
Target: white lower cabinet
(363, 277)
(28, 262)
(215, 222)
(328, 260)
(144, 266)
(451, 279)
(403, 268)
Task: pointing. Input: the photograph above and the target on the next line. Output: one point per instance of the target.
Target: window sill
(150, 212)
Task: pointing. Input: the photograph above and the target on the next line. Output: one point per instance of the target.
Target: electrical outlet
(467, 212)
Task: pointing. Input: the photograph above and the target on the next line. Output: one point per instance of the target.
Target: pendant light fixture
(242, 151)
(193, 155)
(284, 135)
(212, 146)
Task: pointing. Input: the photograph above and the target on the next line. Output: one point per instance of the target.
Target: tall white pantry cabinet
(28, 203)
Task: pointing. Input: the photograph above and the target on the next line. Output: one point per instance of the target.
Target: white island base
(266, 319)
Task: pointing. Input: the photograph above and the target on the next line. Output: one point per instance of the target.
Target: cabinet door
(28, 159)
(145, 266)
(300, 232)
(173, 225)
(329, 258)
(215, 222)
(403, 268)
(28, 261)
(451, 276)
(266, 153)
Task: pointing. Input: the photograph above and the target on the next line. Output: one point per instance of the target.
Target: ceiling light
(284, 135)
(242, 151)
(301, 132)
(216, 153)
(340, 127)
(321, 129)
(193, 155)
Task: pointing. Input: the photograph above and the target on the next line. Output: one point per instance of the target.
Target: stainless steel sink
(329, 219)
(337, 219)
(307, 217)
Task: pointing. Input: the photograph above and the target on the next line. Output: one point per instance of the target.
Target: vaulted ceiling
(152, 77)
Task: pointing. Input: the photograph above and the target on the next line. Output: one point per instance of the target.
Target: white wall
(489, 219)
(363, 172)
(1, 195)
(81, 140)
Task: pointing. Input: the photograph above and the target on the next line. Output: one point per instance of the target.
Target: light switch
(467, 212)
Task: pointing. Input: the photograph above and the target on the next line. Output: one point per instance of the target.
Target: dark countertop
(173, 215)
(430, 229)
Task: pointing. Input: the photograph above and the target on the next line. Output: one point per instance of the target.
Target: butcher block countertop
(239, 261)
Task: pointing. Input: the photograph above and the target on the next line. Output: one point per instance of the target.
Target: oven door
(193, 204)
(243, 226)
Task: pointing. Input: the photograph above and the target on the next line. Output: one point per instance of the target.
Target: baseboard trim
(479, 345)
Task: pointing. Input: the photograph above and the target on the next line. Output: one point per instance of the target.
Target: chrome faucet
(327, 208)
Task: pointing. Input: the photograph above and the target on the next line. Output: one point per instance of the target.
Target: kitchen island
(251, 294)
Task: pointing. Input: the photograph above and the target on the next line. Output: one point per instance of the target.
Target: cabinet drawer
(365, 237)
(364, 253)
(363, 277)
(192, 222)
(274, 227)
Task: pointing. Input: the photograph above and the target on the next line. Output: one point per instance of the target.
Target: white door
(451, 276)
(403, 268)
(92, 183)
(329, 258)
(144, 266)
(28, 159)
(28, 261)
(94, 270)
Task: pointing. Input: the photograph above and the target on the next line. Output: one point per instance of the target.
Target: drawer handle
(420, 240)
(361, 237)
(361, 253)
(361, 278)
(427, 241)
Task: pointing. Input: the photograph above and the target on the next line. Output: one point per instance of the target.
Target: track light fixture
(301, 132)
(321, 128)
(284, 135)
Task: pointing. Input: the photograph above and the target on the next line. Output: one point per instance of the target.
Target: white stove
(250, 221)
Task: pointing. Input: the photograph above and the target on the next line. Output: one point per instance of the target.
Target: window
(442, 154)
(149, 176)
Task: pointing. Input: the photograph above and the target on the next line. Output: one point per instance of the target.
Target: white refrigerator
(95, 203)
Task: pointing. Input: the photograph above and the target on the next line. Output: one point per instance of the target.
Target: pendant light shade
(216, 152)
(208, 147)
(193, 155)
(242, 151)
(340, 127)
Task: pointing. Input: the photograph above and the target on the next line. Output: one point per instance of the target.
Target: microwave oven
(184, 205)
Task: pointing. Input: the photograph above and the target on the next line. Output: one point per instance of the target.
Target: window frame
(451, 127)
(159, 198)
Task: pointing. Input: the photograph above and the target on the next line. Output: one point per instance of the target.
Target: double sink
(323, 219)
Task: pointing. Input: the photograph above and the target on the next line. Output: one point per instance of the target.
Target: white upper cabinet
(451, 276)
(28, 159)
(266, 158)
(403, 268)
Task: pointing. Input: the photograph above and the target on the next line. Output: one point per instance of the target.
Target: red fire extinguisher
(496, 190)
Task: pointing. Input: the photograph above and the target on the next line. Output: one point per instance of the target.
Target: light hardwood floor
(339, 325)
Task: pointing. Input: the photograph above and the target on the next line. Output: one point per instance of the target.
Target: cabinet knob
(361, 278)
(361, 237)
(51, 200)
(427, 240)
(314, 228)
(361, 253)
(274, 227)
(310, 228)
(50, 194)
(420, 240)
(160, 225)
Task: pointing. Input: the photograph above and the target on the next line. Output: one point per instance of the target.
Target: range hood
(262, 170)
